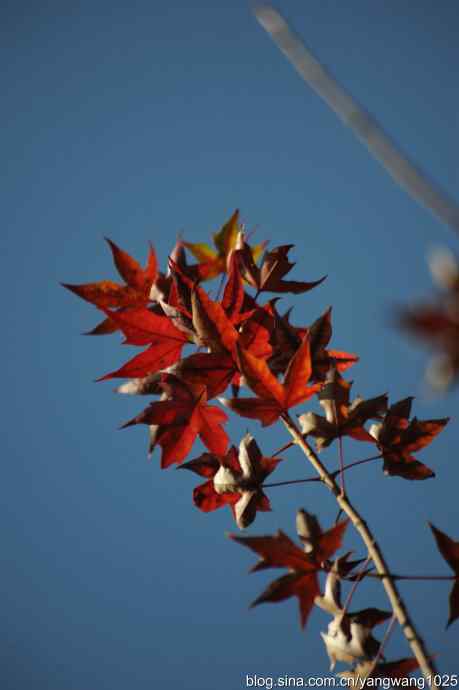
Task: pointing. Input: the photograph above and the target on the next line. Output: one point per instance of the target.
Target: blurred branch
(365, 127)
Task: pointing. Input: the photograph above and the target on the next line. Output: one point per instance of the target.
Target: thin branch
(357, 462)
(317, 479)
(429, 578)
(383, 643)
(286, 446)
(340, 446)
(414, 639)
(290, 481)
(356, 580)
(341, 463)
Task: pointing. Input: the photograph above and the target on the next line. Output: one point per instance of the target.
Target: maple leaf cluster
(242, 341)
(239, 340)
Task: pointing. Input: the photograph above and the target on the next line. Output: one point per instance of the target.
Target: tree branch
(414, 639)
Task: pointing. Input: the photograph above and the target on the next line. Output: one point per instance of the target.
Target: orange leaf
(212, 326)
(105, 327)
(128, 268)
(297, 376)
(155, 358)
(142, 326)
(267, 411)
(180, 419)
(233, 295)
(107, 294)
(211, 369)
(259, 377)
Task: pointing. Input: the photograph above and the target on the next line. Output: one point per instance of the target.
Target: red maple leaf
(212, 370)
(395, 669)
(109, 295)
(279, 551)
(211, 326)
(437, 323)
(342, 418)
(274, 398)
(142, 326)
(235, 479)
(286, 339)
(322, 357)
(389, 669)
(219, 326)
(180, 418)
(398, 437)
(449, 549)
(274, 266)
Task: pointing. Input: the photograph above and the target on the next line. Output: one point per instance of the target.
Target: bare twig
(420, 578)
(356, 582)
(384, 641)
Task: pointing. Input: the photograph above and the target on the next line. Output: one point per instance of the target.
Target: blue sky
(138, 123)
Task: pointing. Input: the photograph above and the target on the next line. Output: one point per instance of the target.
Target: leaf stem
(341, 465)
(286, 446)
(355, 584)
(430, 578)
(340, 446)
(357, 462)
(374, 551)
(290, 481)
(383, 643)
